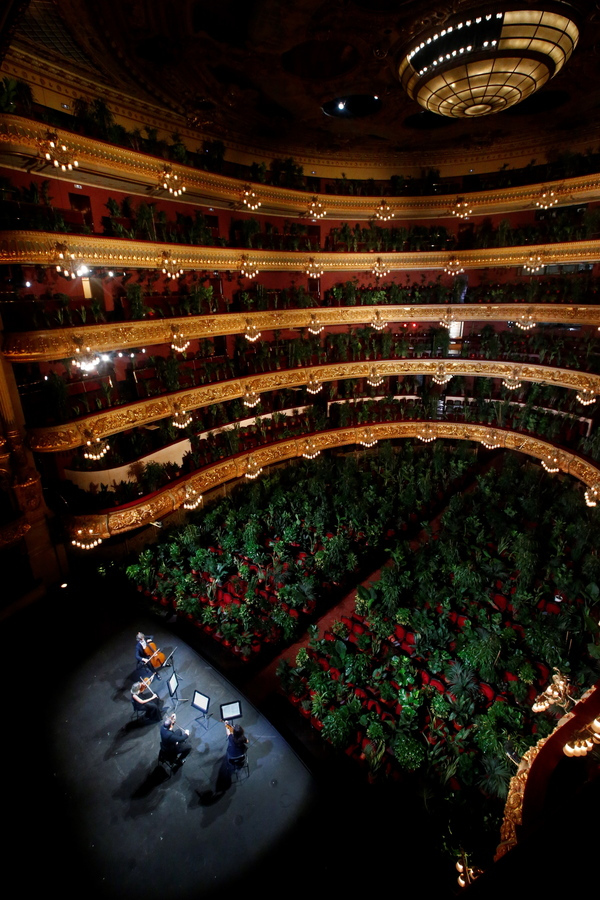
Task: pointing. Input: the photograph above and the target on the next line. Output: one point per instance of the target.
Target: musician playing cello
(146, 657)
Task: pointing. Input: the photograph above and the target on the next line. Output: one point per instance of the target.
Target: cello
(155, 657)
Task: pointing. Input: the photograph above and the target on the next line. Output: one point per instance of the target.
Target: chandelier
(592, 494)
(491, 440)
(310, 449)
(586, 740)
(251, 398)
(447, 320)
(453, 267)
(534, 263)
(251, 333)
(556, 694)
(170, 266)
(512, 382)
(315, 209)
(466, 874)
(547, 199)
(168, 181)
(462, 209)
(526, 321)
(383, 212)
(248, 269)
(486, 63)
(367, 438)
(193, 498)
(66, 263)
(551, 464)
(377, 322)
(86, 361)
(426, 433)
(314, 269)
(86, 539)
(97, 449)
(249, 198)
(315, 326)
(441, 376)
(314, 384)
(374, 378)
(178, 341)
(57, 153)
(380, 270)
(586, 396)
(181, 419)
(253, 470)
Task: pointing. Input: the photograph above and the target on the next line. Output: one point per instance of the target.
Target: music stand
(231, 710)
(201, 702)
(173, 685)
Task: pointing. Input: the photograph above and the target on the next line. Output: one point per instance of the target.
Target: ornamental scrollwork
(172, 497)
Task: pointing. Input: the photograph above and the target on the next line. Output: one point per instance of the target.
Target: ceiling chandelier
(168, 181)
(585, 741)
(253, 470)
(547, 199)
(462, 209)
(316, 210)
(377, 322)
(314, 269)
(67, 264)
(512, 382)
(380, 270)
(249, 198)
(251, 398)
(426, 433)
(86, 360)
(592, 494)
(251, 333)
(586, 396)
(490, 440)
(315, 326)
(486, 63)
(97, 448)
(193, 498)
(441, 376)
(551, 463)
(57, 153)
(374, 378)
(526, 321)
(181, 419)
(534, 263)
(178, 341)
(367, 438)
(447, 320)
(248, 269)
(383, 212)
(556, 694)
(314, 384)
(86, 539)
(453, 267)
(170, 265)
(310, 449)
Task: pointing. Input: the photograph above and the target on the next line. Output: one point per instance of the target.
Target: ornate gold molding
(169, 499)
(13, 532)
(74, 434)
(19, 137)
(60, 343)
(39, 248)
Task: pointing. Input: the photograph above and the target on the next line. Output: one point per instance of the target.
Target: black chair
(239, 765)
(168, 760)
(137, 711)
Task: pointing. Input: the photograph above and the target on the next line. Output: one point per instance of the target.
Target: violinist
(144, 698)
(144, 655)
(172, 738)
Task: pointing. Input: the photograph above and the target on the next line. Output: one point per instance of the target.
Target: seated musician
(172, 738)
(144, 698)
(143, 654)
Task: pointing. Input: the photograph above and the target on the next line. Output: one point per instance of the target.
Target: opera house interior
(299, 314)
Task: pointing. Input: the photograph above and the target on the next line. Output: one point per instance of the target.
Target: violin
(155, 656)
(145, 683)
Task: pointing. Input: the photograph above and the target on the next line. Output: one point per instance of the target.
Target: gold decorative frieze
(70, 435)
(162, 503)
(60, 343)
(21, 138)
(13, 532)
(39, 248)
